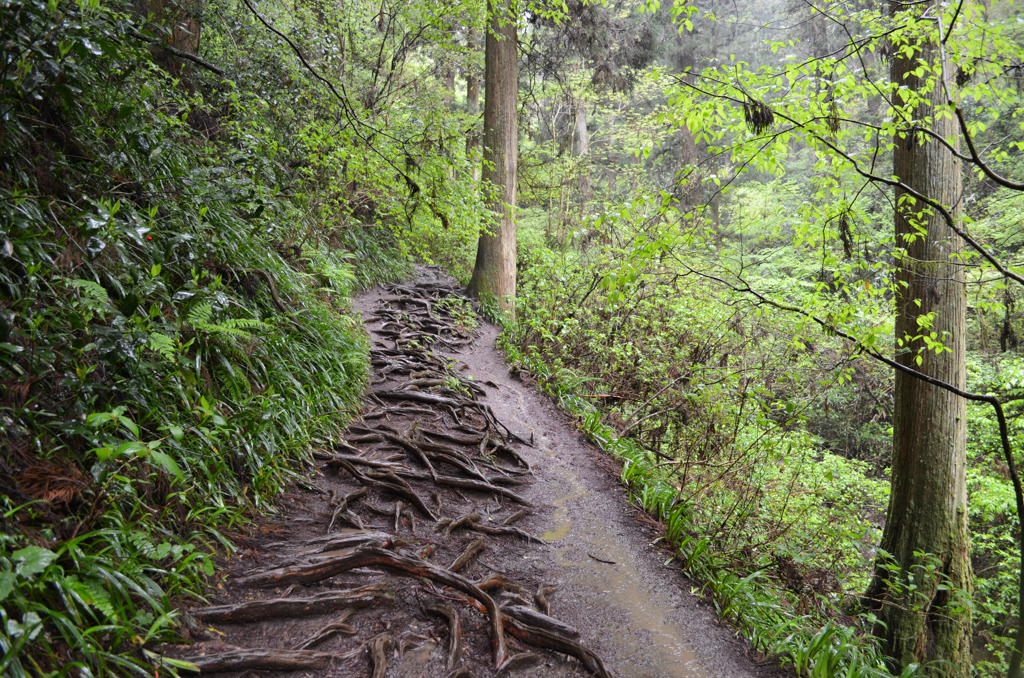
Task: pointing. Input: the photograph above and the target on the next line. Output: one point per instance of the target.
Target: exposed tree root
(512, 531)
(454, 631)
(497, 582)
(471, 552)
(536, 619)
(389, 481)
(470, 521)
(258, 610)
(379, 654)
(540, 598)
(551, 641)
(523, 660)
(449, 525)
(261, 660)
(515, 517)
(337, 626)
(373, 556)
(355, 539)
(467, 484)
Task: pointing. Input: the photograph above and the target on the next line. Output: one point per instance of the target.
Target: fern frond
(162, 345)
(199, 317)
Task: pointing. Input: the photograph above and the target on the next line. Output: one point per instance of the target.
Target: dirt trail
(320, 596)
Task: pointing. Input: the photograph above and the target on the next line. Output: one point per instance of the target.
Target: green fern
(162, 345)
(93, 299)
(201, 317)
(92, 592)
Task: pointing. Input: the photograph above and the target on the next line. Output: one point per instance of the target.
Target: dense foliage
(190, 194)
(178, 250)
(672, 306)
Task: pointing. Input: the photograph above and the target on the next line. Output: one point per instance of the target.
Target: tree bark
(448, 72)
(473, 98)
(926, 521)
(690, 191)
(494, 274)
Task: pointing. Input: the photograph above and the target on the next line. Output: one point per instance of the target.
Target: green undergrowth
(815, 643)
(706, 402)
(175, 336)
(759, 442)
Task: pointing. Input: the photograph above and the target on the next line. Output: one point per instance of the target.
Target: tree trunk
(690, 193)
(448, 72)
(473, 97)
(927, 511)
(184, 20)
(494, 274)
(581, 148)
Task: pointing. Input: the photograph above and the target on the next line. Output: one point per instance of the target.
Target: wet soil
(597, 561)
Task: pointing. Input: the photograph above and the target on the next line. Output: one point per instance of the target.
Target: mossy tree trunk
(494, 274)
(923, 577)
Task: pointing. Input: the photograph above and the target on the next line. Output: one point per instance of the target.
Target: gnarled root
(454, 631)
(261, 660)
(551, 641)
(258, 610)
(471, 552)
(374, 556)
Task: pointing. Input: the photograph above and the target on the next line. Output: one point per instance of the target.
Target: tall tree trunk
(927, 511)
(473, 97)
(448, 72)
(684, 62)
(494, 274)
(581, 147)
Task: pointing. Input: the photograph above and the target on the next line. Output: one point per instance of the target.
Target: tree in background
(494, 273)
(473, 96)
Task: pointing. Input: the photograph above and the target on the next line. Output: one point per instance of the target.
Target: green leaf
(30, 627)
(179, 664)
(32, 560)
(7, 580)
(167, 463)
(132, 447)
(129, 425)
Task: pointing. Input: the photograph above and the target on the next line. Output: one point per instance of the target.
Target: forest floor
(459, 491)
